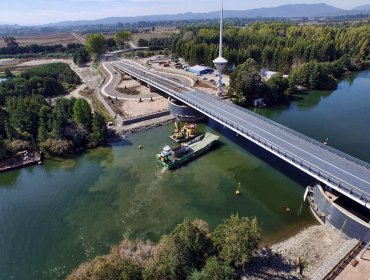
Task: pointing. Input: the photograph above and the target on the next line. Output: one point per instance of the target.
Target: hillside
(284, 11)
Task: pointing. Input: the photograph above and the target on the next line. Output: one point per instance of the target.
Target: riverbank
(313, 246)
(122, 132)
(23, 160)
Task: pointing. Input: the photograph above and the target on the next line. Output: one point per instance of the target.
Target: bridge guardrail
(362, 196)
(291, 131)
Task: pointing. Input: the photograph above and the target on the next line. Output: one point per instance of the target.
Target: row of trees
(97, 44)
(190, 251)
(13, 48)
(276, 46)
(165, 42)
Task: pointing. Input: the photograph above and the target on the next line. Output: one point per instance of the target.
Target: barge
(172, 158)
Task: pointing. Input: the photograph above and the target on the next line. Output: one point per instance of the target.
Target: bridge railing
(295, 133)
(344, 186)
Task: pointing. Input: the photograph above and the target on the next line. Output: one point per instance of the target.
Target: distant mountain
(362, 8)
(284, 11)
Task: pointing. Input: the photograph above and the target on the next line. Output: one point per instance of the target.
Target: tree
(8, 74)
(82, 114)
(81, 57)
(95, 45)
(278, 85)
(111, 44)
(99, 131)
(52, 88)
(45, 115)
(236, 240)
(11, 42)
(58, 147)
(246, 82)
(179, 253)
(130, 270)
(122, 38)
(214, 270)
(23, 114)
(62, 117)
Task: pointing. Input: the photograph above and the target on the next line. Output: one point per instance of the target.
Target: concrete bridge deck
(346, 174)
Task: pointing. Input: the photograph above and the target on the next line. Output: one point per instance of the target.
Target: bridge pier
(141, 82)
(183, 112)
(153, 89)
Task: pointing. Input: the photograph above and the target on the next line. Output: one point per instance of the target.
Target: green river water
(55, 216)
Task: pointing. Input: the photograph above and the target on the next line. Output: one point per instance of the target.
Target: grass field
(52, 39)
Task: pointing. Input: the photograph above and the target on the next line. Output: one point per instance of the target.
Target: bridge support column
(153, 89)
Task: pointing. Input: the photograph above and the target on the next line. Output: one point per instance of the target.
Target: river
(55, 216)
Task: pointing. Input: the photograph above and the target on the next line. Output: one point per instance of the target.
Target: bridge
(342, 172)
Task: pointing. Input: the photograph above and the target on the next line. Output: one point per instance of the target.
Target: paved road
(79, 38)
(346, 174)
(109, 89)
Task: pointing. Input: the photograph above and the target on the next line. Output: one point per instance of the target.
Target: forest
(275, 46)
(314, 56)
(34, 116)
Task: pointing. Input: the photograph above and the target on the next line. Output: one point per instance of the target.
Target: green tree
(95, 45)
(111, 44)
(179, 253)
(214, 270)
(131, 271)
(44, 128)
(8, 74)
(99, 131)
(11, 42)
(278, 85)
(236, 240)
(62, 117)
(82, 114)
(81, 57)
(51, 88)
(122, 38)
(246, 82)
(23, 114)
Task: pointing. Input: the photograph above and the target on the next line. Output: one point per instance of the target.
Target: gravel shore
(313, 246)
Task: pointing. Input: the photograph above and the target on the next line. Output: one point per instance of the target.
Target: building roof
(199, 68)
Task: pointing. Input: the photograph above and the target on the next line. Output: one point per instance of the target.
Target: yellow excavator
(188, 132)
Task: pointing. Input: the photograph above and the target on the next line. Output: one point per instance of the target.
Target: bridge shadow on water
(275, 162)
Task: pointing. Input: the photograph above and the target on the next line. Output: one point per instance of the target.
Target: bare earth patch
(313, 246)
(135, 109)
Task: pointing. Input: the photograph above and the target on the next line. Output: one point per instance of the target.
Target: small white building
(266, 74)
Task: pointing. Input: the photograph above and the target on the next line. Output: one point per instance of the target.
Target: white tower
(220, 62)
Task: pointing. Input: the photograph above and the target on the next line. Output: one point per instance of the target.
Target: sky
(33, 12)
